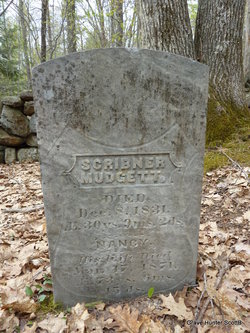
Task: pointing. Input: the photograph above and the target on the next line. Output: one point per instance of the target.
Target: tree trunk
(131, 29)
(49, 33)
(25, 42)
(71, 25)
(102, 33)
(44, 30)
(117, 23)
(165, 25)
(247, 44)
(219, 44)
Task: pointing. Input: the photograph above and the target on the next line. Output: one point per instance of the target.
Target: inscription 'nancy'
(141, 169)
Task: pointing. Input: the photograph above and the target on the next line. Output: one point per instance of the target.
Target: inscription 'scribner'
(123, 169)
(121, 136)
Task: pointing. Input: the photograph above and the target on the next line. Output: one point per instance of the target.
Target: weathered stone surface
(26, 95)
(33, 123)
(10, 155)
(14, 121)
(27, 155)
(13, 101)
(121, 139)
(10, 140)
(2, 157)
(32, 140)
(29, 108)
(2, 148)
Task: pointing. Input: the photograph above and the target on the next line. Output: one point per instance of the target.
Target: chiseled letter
(160, 163)
(125, 163)
(86, 164)
(87, 178)
(97, 164)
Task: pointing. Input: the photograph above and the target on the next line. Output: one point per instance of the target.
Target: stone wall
(18, 140)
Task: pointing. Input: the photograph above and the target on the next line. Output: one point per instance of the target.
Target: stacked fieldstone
(18, 129)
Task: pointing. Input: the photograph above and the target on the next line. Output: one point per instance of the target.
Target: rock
(10, 140)
(29, 108)
(33, 124)
(2, 148)
(14, 121)
(2, 161)
(26, 95)
(27, 155)
(32, 140)
(13, 101)
(10, 155)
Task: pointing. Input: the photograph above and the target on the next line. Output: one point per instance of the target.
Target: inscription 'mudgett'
(123, 169)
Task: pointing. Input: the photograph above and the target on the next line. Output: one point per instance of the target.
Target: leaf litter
(218, 303)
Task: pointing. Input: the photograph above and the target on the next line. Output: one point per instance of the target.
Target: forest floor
(219, 302)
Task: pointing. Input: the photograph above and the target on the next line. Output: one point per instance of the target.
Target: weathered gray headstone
(121, 139)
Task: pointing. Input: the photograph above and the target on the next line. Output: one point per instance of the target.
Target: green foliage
(9, 49)
(48, 305)
(30, 323)
(92, 40)
(44, 296)
(193, 8)
(92, 304)
(12, 78)
(151, 292)
(42, 293)
(41, 298)
(28, 291)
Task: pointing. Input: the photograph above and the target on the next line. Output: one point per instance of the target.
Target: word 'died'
(130, 169)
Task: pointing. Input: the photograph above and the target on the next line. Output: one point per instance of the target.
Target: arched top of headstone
(118, 90)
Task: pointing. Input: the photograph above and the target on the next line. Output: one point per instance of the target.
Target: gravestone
(121, 138)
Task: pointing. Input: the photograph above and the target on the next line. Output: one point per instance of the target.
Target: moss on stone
(237, 148)
(224, 119)
(214, 160)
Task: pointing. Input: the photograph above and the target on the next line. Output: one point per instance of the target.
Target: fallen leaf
(126, 319)
(13, 295)
(247, 215)
(77, 320)
(28, 329)
(8, 321)
(151, 326)
(53, 324)
(171, 307)
(96, 325)
(242, 247)
(178, 329)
